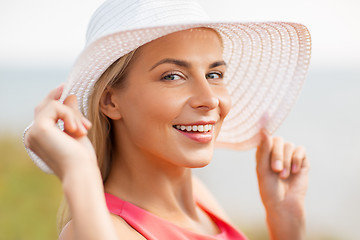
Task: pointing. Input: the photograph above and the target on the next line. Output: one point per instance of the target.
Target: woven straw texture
(266, 62)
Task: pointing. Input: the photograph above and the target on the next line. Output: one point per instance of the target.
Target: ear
(108, 104)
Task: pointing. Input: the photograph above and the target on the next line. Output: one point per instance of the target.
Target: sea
(325, 120)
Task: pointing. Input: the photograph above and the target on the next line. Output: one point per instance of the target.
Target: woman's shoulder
(207, 199)
(123, 229)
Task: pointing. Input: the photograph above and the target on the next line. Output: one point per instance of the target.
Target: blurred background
(40, 40)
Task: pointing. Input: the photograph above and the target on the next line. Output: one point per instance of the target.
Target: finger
(263, 151)
(55, 94)
(81, 128)
(71, 101)
(305, 163)
(54, 111)
(277, 153)
(288, 153)
(86, 123)
(298, 159)
(46, 119)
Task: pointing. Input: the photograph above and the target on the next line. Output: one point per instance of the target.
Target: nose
(203, 95)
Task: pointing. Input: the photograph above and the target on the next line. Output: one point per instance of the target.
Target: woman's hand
(63, 151)
(282, 171)
(71, 156)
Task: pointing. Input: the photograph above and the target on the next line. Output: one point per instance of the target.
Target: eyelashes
(215, 75)
(174, 76)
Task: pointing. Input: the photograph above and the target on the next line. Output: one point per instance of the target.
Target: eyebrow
(216, 64)
(185, 64)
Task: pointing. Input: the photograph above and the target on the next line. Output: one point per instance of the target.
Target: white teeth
(201, 128)
(195, 128)
(206, 128)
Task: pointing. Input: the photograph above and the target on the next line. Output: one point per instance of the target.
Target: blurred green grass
(29, 198)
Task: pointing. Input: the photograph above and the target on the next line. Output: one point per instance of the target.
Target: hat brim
(267, 63)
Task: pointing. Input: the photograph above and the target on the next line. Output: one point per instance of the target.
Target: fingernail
(278, 165)
(86, 122)
(82, 129)
(294, 168)
(283, 173)
(60, 86)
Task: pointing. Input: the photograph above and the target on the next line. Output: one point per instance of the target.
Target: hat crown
(124, 15)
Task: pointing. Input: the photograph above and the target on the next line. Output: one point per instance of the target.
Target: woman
(156, 89)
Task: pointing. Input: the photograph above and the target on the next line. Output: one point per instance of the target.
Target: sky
(52, 33)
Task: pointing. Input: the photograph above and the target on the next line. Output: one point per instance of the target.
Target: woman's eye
(171, 77)
(214, 75)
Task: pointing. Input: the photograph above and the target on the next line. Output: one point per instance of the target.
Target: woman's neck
(153, 184)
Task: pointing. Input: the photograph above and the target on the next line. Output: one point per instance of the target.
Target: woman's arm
(85, 195)
(90, 217)
(282, 172)
(71, 157)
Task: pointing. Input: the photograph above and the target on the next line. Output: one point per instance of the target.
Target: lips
(198, 132)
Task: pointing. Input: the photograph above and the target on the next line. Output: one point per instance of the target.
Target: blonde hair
(100, 133)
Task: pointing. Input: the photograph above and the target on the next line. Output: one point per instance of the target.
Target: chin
(190, 155)
(201, 165)
(197, 160)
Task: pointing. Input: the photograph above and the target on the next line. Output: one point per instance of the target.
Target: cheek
(151, 120)
(156, 108)
(225, 102)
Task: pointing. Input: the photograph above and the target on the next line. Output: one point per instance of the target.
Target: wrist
(81, 181)
(84, 192)
(293, 209)
(286, 224)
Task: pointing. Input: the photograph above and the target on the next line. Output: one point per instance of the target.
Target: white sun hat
(267, 62)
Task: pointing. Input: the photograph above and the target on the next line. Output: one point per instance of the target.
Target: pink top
(153, 227)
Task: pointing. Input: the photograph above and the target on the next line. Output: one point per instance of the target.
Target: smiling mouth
(195, 128)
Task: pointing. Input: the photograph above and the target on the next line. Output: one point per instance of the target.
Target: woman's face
(174, 100)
